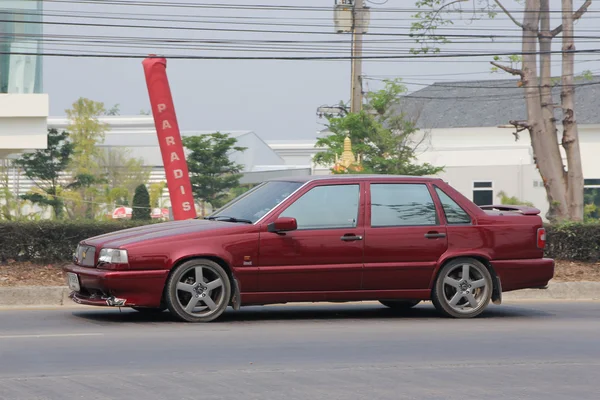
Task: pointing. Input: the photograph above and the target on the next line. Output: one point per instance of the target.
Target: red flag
(169, 139)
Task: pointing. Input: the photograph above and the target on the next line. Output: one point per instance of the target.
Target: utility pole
(358, 27)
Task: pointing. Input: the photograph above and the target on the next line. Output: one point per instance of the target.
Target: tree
(86, 133)
(212, 173)
(141, 204)
(123, 173)
(564, 187)
(45, 167)
(114, 110)
(156, 191)
(384, 138)
(87, 187)
(9, 203)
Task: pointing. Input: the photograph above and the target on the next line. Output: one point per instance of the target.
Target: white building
(23, 106)
(465, 124)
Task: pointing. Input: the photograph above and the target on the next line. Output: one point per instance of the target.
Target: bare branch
(520, 126)
(520, 25)
(576, 15)
(510, 70)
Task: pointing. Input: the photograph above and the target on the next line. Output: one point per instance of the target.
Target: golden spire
(347, 160)
(347, 155)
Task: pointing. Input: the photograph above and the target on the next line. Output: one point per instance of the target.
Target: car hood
(158, 231)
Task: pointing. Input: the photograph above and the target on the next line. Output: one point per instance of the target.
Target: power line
(269, 7)
(302, 58)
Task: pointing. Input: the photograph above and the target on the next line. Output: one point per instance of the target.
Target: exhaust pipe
(115, 301)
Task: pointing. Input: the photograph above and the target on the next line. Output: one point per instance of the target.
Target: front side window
(401, 204)
(455, 215)
(326, 207)
(255, 203)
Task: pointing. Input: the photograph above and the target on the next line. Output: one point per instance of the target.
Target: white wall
(521, 181)
(23, 122)
(478, 154)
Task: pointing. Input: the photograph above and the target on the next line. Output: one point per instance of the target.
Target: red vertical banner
(169, 139)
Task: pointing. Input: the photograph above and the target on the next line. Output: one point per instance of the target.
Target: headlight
(113, 256)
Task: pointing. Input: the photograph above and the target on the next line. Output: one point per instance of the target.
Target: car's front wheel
(463, 288)
(198, 291)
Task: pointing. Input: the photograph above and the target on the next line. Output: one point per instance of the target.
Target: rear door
(325, 253)
(404, 236)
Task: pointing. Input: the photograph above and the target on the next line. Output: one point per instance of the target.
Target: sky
(276, 99)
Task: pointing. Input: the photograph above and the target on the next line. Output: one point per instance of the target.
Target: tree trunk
(570, 139)
(545, 150)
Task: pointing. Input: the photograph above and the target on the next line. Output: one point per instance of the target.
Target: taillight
(541, 238)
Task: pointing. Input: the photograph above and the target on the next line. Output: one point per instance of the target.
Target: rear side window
(401, 204)
(455, 215)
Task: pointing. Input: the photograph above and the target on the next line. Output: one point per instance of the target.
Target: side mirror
(283, 224)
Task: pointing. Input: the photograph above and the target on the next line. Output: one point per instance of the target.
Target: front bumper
(118, 288)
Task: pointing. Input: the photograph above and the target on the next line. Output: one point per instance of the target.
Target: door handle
(351, 238)
(434, 235)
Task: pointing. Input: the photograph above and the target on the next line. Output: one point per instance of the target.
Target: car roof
(369, 177)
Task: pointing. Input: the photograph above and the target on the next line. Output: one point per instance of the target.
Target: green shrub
(573, 241)
(55, 241)
(51, 241)
(141, 204)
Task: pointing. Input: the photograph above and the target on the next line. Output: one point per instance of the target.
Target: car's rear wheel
(400, 304)
(198, 291)
(463, 288)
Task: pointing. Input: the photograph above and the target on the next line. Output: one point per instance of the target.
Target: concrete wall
(23, 122)
(477, 154)
(521, 181)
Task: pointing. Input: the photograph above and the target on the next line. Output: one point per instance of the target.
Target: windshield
(255, 203)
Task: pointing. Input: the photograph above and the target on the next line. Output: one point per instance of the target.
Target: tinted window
(326, 207)
(401, 204)
(454, 213)
(255, 203)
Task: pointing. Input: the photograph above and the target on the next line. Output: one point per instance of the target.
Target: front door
(325, 253)
(404, 238)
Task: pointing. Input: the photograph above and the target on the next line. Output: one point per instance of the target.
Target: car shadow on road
(321, 312)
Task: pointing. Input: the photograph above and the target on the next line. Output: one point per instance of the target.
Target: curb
(59, 295)
(34, 296)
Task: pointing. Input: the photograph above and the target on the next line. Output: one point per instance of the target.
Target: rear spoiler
(525, 210)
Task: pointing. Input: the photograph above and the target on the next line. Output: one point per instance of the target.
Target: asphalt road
(529, 350)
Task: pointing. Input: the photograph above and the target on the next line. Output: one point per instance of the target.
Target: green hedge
(51, 241)
(575, 242)
(54, 241)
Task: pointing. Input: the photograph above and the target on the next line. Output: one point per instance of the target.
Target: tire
(198, 291)
(400, 304)
(456, 297)
(149, 310)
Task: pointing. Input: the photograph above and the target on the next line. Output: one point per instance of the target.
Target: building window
(483, 193)
(591, 198)
(21, 33)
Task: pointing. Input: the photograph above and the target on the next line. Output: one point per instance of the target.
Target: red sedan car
(398, 240)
